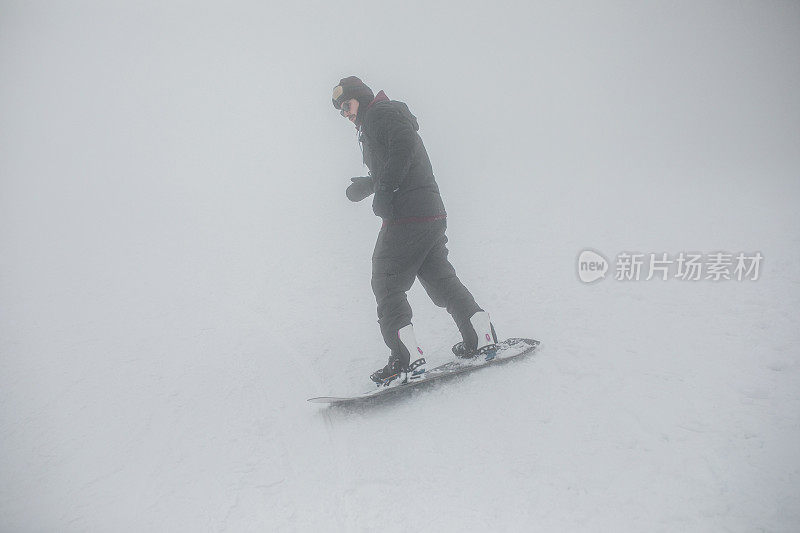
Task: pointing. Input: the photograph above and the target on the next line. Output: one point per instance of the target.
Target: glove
(360, 188)
(382, 202)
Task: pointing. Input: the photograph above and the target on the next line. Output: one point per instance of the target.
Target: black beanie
(352, 87)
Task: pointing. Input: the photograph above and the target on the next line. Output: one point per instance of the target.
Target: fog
(180, 268)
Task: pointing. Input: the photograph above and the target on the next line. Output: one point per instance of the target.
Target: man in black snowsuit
(411, 242)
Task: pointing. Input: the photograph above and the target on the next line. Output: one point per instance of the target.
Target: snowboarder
(411, 243)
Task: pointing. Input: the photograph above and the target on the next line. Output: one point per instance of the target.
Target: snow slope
(180, 269)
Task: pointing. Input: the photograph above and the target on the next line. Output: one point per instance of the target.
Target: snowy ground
(180, 269)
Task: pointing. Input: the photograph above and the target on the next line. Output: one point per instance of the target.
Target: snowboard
(507, 350)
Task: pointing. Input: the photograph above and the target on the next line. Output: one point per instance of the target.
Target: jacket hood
(380, 97)
(400, 106)
(403, 108)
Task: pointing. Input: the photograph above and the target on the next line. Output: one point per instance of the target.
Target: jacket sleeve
(400, 139)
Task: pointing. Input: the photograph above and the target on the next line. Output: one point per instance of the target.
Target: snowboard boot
(389, 373)
(400, 369)
(479, 338)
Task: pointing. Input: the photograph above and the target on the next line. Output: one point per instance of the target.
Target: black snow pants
(404, 252)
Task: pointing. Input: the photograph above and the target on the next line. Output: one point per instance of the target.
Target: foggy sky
(172, 191)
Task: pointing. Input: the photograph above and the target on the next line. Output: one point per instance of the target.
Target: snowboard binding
(488, 352)
(391, 374)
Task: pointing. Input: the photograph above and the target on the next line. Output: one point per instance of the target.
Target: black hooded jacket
(397, 159)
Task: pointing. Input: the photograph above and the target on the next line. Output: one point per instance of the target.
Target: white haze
(180, 269)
